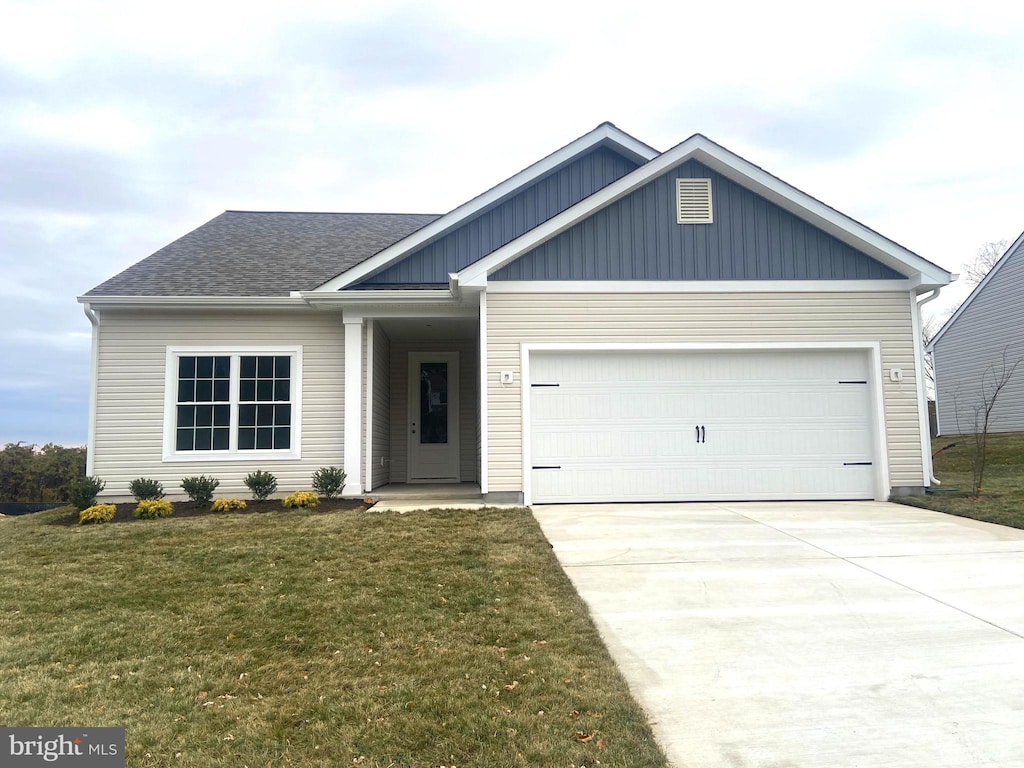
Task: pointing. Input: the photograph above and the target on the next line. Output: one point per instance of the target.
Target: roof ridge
(336, 213)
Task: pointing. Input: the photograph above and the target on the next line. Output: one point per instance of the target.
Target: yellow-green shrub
(227, 505)
(151, 509)
(305, 499)
(98, 513)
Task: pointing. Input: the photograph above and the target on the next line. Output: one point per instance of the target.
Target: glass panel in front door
(433, 403)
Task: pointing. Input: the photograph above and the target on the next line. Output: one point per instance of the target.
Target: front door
(433, 417)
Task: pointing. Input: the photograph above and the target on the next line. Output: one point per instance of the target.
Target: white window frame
(170, 454)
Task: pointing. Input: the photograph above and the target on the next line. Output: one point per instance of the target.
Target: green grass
(300, 639)
(1002, 497)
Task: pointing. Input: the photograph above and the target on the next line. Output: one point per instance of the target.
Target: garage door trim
(873, 348)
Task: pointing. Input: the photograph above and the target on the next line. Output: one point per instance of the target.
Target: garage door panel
(776, 425)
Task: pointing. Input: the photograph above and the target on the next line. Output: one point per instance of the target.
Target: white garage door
(672, 426)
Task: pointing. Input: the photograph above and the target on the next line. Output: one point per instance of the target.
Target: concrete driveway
(808, 634)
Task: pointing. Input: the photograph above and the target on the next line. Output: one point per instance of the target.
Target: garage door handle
(700, 434)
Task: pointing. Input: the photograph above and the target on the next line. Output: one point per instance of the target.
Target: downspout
(927, 424)
(94, 320)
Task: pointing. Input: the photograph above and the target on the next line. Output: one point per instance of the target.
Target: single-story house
(981, 340)
(612, 323)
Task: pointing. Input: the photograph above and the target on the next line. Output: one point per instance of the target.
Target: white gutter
(204, 302)
(926, 432)
(373, 297)
(94, 320)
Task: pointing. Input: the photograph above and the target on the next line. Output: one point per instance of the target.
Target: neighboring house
(969, 352)
(612, 323)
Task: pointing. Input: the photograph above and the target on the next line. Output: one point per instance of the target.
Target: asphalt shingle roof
(250, 253)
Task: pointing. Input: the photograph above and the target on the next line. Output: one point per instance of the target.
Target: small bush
(99, 513)
(261, 483)
(227, 505)
(200, 489)
(303, 499)
(152, 509)
(144, 489)
(328, 481)
(83, 492)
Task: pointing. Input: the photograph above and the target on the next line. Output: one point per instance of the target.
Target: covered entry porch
(412, 402)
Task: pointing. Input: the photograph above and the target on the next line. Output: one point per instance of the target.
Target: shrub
(83, 491)
(200, 489)
(98, 513)
(328, 481)
(144, 489)
(304, 499)
(152, 509)
(261, 483)
(227, 505)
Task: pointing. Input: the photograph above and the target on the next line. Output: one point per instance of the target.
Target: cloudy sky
(125, 125)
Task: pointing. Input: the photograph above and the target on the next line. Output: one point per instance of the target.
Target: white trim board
(695, 286)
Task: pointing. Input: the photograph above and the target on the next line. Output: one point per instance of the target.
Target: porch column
(353, 427)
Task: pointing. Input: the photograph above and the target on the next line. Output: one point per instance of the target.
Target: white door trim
(873, 348)
(454, 403)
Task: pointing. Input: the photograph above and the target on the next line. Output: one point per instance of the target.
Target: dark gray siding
(507, 220)
(972, 348)
(637, 238)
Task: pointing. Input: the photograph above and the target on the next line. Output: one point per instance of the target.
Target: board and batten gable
(130, 394)
(518, 318)
(638, 238)
(507, 220)
(973, 345)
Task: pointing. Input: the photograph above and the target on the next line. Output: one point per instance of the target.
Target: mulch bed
(125, 512)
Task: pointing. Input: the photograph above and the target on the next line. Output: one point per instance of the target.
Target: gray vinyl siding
(973, 346)
(507, 220)
(517, 318)
(381, 441)
(130, 394)
(637, 238)
(469, 387)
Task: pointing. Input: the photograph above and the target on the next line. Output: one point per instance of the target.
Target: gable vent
(693, 201)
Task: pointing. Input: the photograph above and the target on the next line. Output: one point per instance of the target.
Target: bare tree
(993, 381)
(929, 327)
(974, 271)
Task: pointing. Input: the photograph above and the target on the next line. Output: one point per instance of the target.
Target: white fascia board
(196, 302)
(604, 133)
(742, 172)
(1018, 243)
(697, 286)
(364, 298)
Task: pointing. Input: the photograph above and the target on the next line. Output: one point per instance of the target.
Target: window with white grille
(693, 201)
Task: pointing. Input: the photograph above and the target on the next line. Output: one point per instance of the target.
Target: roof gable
(502, 223)
(919, 271)
(638, 238)
(605, 135)
(1010, 263)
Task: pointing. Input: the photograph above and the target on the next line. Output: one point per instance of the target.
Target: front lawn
(290, 638)
(1002, 497)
